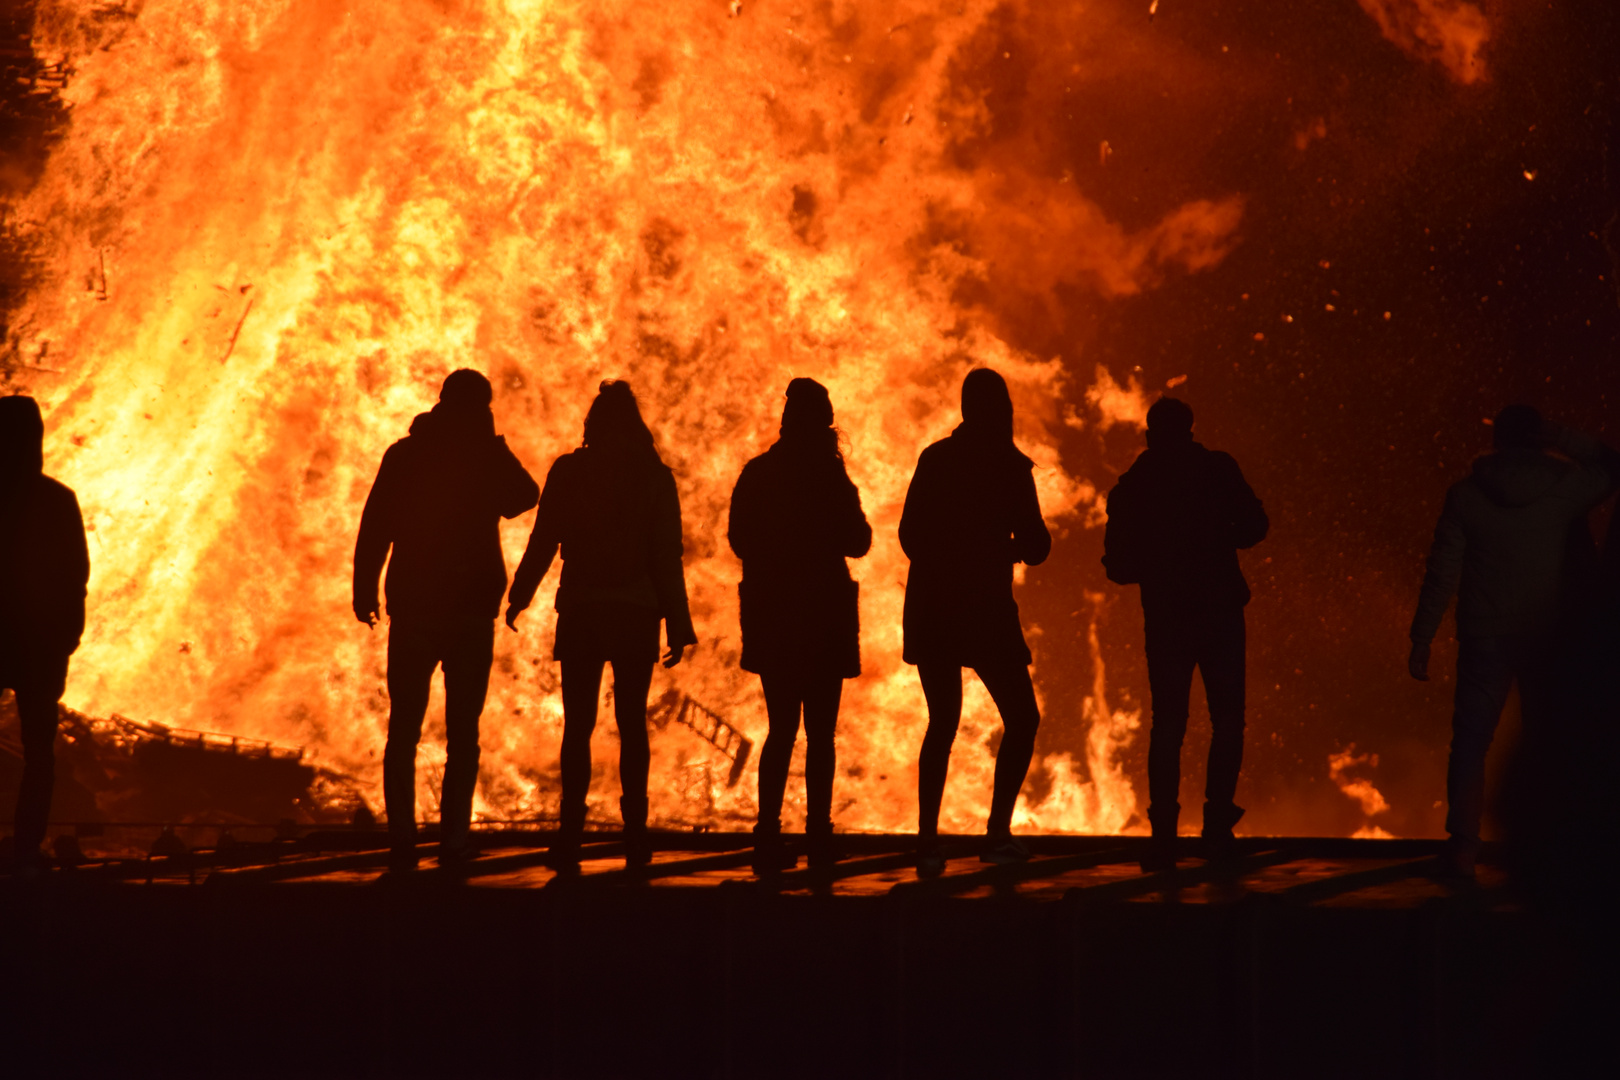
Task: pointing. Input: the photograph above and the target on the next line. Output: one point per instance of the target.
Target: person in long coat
(795, 518)
(971, 514)
(612, 508)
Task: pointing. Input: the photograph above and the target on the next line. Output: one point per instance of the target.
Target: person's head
(986, 404)
(22, 436)
(1169, 422)
(807, 416)
(614, 421)
(465, 390)
(1517, 427)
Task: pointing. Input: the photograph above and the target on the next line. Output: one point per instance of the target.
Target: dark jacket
(1176, 520)
(438, 500)
(1504, 538)
(44, 567)
(619, 526)
(971, 513)
(795, 517)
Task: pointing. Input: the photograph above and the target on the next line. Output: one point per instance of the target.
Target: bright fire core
(275, 226)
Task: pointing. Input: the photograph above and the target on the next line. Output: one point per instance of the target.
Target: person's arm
(544, 539)
(669, 576)
(742, 520)
(1440, 579)
(855, 532)
(1121, 545)
(1247, 515)
(1032, 541)
(70, 569)
(375, 538)
(919, 529)
(515, 488)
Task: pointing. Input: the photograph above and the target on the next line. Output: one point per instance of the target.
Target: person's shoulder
(55, 491)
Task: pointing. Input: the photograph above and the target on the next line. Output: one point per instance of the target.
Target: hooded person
(434, 515)
(613, 510)
(44, 568)
(1176, 520)
(795, 519)
(1503, 547)
(971, 514)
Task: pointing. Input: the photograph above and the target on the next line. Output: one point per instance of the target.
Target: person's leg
(784, 697)
(411, 661)
(631, 681)
(822, 693)
(581, 688)
(37, 711)
(1014, 694)
(1221, 660)
(1170, 662)
(466, 685)
(942, 687)
(1484, 676)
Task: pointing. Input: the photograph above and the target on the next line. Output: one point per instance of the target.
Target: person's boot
(930, 855)
(401, 846)
(564, 854)
(1160, 856)
(637, 846)
(820, 846)
(771, 855)
(1219, 845)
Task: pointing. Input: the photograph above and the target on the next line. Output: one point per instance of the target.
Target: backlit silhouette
(971, 513)
(437, 503)
(44, 566)
(1502, 547)
(795, 517)
(612, 507)
(1176, 520)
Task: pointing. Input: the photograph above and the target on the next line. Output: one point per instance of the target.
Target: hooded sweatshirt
(437, 501)
(44, 562)
(1503, 538)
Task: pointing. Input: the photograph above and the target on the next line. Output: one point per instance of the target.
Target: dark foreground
(1310, 958)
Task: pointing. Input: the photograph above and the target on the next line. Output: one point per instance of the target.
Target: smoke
(1451, 33)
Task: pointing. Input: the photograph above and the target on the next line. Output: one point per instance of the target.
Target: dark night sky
(1350, 427)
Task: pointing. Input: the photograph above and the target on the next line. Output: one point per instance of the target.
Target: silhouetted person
(971, 514)
(795, 518)
(437, 501)
(44, 566)
(1503, 547)
(612, 507)
(1176, 520)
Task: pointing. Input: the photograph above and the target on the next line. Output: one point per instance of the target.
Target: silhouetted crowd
(1537, 605)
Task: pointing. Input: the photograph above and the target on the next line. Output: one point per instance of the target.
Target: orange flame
(296, 217)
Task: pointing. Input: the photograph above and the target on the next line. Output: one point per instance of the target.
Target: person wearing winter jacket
(44, 566)
(612, 508)
(434, 514)
(971, 515)
(1176, 521)
(795, 517)
(1501, 548)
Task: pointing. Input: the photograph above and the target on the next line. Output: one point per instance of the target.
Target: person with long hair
(612, 507)
(971, 513)
(795, 518)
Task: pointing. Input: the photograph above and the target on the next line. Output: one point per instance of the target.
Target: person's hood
(1517, 477)
(990, 441)
(459, 425)
(1157, 458)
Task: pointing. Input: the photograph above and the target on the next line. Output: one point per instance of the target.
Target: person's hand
(675, 654)
(367, 613)
(1418, 662)
(512, 612)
